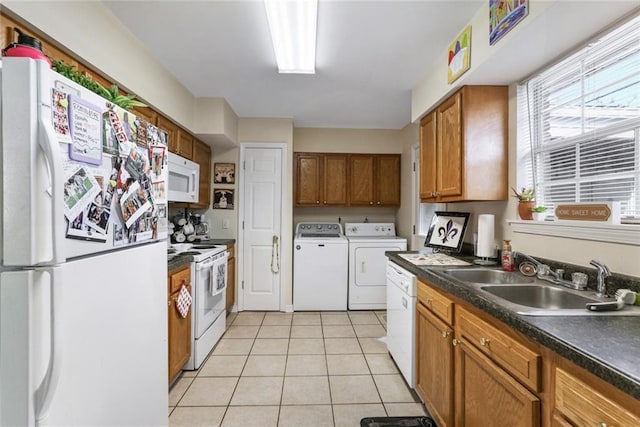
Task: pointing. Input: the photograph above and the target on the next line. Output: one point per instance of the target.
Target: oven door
(211, 283)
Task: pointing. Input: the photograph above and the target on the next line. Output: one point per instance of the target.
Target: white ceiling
(370, 54)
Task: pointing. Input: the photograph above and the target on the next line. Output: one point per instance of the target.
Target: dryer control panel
(370, 229)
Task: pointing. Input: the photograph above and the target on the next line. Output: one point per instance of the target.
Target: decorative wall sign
(459, 59)
(608, 212)
(504, 15)
(224, 173)
(447, 231)
(222, 198)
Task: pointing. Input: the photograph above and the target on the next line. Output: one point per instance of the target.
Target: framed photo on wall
(223, 198)
(224, 173)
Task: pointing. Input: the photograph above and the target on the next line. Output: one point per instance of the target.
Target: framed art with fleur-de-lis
(446, 232)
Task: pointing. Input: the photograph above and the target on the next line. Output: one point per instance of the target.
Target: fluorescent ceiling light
(293, 33)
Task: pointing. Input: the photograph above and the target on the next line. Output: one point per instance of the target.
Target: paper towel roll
(486, 243)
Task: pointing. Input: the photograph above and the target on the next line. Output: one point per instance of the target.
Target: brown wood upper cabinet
(374, 179)
(463, 147)
(147, 114)
(185, 145)
(202, 156)
(172, 131)
(321, 179)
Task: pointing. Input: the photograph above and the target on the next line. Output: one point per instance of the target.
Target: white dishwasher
(401, 319)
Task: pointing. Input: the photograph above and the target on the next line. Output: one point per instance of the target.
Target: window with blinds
(579, 125)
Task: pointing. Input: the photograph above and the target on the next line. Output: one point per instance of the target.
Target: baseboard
(288, 308)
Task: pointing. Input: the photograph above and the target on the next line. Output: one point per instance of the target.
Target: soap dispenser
(507, 256)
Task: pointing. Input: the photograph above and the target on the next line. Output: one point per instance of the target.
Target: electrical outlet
(225, 224)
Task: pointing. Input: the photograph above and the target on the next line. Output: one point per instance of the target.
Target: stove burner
(190, 253)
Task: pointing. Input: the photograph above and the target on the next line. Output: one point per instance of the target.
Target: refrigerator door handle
(46, 390)
(49, 145)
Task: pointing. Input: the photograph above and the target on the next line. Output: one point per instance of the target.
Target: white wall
(573, 22)
(280, 131)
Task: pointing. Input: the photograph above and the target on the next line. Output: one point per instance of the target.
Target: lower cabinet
(577, 403)
(488, 396)
(231, 278)
(473, 370)
(434, 367)
(179, 334)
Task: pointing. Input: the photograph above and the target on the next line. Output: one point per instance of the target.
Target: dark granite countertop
(178, 261)
(221, 241)
(607, 346)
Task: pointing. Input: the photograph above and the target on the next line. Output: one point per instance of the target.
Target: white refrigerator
(83, 296)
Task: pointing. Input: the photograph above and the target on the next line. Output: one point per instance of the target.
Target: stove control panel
(370, 229)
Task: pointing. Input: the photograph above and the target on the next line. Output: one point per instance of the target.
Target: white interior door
(262, 223)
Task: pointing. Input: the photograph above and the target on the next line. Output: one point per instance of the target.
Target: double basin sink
(530, 295)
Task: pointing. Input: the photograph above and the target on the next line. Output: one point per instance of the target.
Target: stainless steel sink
(489, 276)
(539, 296)
(530, 296)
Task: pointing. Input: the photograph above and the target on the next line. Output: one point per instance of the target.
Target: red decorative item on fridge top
(26, 46)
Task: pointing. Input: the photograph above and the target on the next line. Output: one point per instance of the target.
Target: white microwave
(184, 176)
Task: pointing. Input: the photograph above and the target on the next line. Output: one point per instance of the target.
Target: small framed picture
(224, 173)
(446, 232)
(223, 198)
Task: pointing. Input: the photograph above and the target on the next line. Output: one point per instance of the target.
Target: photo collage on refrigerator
(115, 168)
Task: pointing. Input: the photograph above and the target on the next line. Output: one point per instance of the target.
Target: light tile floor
(294, 369)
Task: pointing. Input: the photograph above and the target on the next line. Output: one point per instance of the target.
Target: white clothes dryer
(368, 243)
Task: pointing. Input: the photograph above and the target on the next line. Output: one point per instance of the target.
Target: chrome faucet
(544, 272)
(603, 273)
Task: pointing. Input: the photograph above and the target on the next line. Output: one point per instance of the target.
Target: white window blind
(579, 125)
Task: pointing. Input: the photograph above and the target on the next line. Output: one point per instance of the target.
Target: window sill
(628, 234)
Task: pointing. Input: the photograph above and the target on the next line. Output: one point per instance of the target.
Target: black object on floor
(398, 422)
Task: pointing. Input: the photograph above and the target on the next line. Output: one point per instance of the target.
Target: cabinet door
(308, 179)
(185, 145)
(334, 181)
(449, 148)
(202, 156)
(146, 114)
(434, 365)
(486, 396)
(428, 158)
(583, 405)
(387, 182)
(179, 336)
(361, 180)
(172, 131)
(231, 280)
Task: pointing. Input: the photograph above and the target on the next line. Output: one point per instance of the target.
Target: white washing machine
(368, 242)
(320, 262)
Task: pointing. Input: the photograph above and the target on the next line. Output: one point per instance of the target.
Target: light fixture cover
(293, 32)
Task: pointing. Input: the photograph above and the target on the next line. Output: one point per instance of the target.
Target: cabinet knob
(428, 301)
(378, 202)
(317, 202)
(325, 202)
(603, 425)
(169, 303)
(445, 334)
(370, 203)
(484, 342)
(456, 342)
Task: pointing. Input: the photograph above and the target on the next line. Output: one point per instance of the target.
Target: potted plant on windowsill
(538, 213)
(526, 198)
